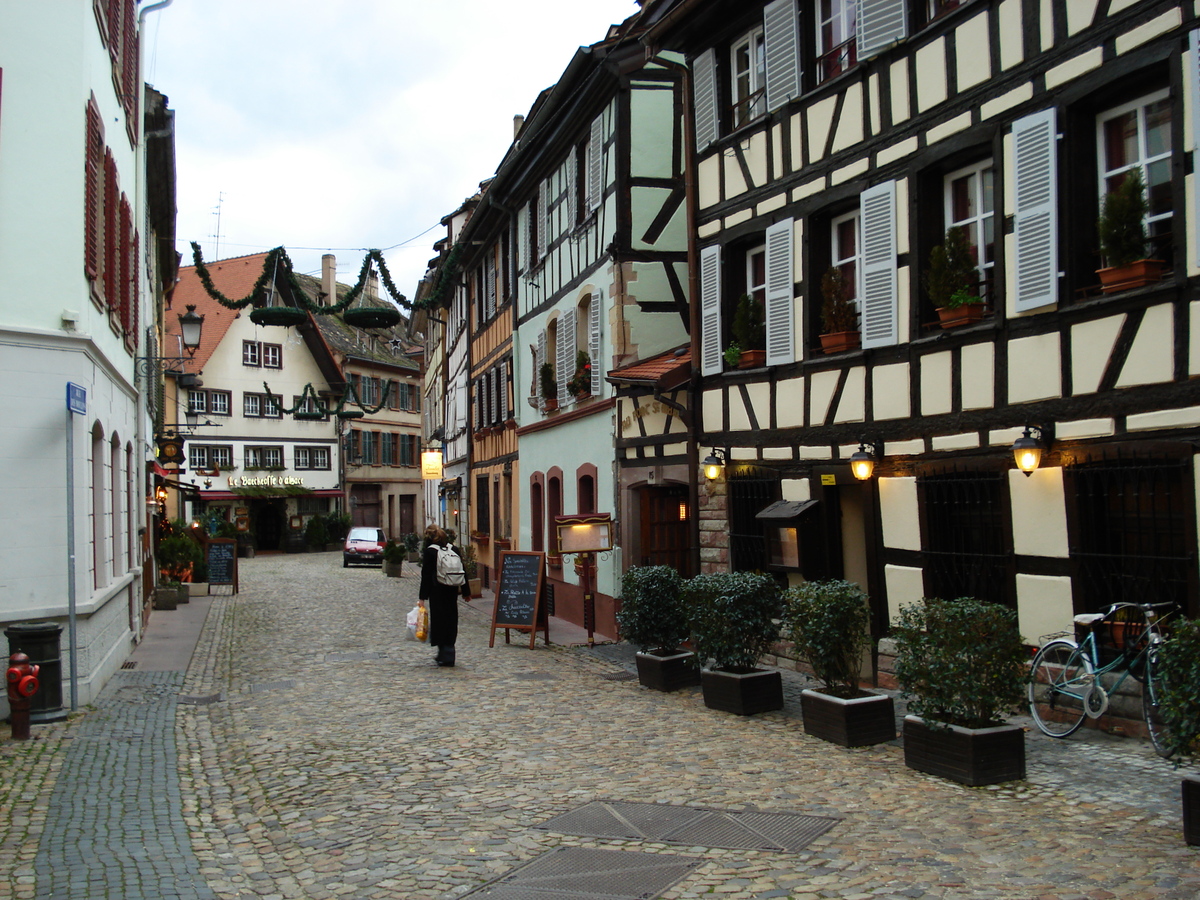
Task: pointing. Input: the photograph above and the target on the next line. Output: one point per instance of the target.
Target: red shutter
(124, 273)
(111, 238)
(129, 68)
(93, 162)
(135, 306)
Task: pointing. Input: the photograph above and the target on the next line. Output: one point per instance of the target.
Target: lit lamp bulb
(862, 463)
(1027, 451)
(712, 467)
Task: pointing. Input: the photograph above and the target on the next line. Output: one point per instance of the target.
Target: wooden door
(665, 529)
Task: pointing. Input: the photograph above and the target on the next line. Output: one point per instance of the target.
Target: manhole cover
(691, 826)
(587, 874)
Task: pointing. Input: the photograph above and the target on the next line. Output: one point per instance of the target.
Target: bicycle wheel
(1058, 682)
(1160, 734)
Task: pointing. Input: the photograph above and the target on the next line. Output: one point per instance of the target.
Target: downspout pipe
(153, 7)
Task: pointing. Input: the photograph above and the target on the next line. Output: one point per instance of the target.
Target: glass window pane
(1158, 128)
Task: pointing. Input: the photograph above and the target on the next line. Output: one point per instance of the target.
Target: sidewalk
(306, 749)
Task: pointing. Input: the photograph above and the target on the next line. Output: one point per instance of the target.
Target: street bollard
(22, 685)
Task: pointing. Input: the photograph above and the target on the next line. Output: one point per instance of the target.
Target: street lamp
(190, 327)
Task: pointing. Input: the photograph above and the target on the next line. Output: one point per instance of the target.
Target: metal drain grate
(691, 826)
(201, 700)
(129, 664)
(587, 874)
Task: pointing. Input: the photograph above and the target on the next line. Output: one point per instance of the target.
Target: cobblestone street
(311, 751)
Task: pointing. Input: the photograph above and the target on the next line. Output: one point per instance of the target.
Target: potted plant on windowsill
(952, 281)
(963, 668)
(580, 384)
(393, 559)
(1177, 692)
(548, 387)
(654, 619)
(1122, 232)
(828, 622)
(839, 316)
(750, 332)
(732, 616)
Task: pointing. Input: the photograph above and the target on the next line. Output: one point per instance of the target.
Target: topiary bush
(829, 622)
(732, 616)
(1177, 689)
(652, 615)
(960, 661)
(315, 534)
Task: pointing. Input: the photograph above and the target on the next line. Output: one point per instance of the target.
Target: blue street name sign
(76, 398)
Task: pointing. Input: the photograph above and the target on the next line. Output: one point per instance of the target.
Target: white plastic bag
(410, 630)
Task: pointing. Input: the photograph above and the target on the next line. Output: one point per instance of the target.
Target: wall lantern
(862, 460)
(190, 327)
(1027, 449)
(584, 533)
(713, 464)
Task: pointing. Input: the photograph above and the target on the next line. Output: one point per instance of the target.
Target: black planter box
(1191, 811)
(971, 756)
(743, 694)
(857, 722)
(667, 673)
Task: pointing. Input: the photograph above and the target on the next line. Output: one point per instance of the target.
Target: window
(748, 73)
(219, 403)
(307, 405)
(272, 356)
(388, 448)
(968, 550)
(483, 517)
(197, 401)
(845, 253)
(312, 457)
(971, 205)
(201, 456)
(836, 48)
(251, 353)
(264, 457)
(197, 456)
(251, 405)
(1138, 136)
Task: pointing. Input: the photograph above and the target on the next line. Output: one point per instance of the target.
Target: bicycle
(1065, 679)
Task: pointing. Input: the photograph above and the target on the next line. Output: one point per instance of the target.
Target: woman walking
(440, 597)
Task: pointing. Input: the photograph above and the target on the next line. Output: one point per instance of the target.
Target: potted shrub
(177, 555)
(1122, 232)
(962, 666)
(548, 386)
(829, 623)
(1177, 690)
(393, 559)
(654, 619)
(166, 595)
(732, 616)
(750, 332)
(315, 533)
(471, 569)
(412, 544)
(839, 315)
(580, 384)
(952, 280)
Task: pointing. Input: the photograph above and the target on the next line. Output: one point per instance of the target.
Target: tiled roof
(666, 371)
(232, 277)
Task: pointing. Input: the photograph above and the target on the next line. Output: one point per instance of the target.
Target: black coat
(441, 600)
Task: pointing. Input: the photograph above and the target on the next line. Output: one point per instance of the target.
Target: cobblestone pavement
(313, 752)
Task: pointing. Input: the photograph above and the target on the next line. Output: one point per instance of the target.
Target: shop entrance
(267, 520)
(664, 528)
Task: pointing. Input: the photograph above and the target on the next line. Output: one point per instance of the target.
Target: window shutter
(781, 284)
(524, 216)
(125, 272)
(1034, 162)
(129, 66)
(572, 189)
(704, 94)
(478, 414)
(781, 34)
(710, 310)
(1193, 78)
(489, 274)
(135, 311)
(538, 362)
(543, 220)
(879, 300)
(596, 163)
(566, 355)
(491, 396)
(93, 168)
(880, 24)
(503, 375)
(596, 313)
(111, 241)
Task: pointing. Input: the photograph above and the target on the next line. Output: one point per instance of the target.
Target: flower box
(742, 693)
(970, 756)
(667, 673)
(849, 722)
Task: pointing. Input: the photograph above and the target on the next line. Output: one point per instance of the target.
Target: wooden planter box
(856, 722)
(971, 756)
(393, 569)
(197, 589)
(667, 673)
(742, 693)
(752, 359)
(1191, 811)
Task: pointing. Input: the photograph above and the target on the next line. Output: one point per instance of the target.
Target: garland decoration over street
(319, 409)
(278, 259)
(446, 277)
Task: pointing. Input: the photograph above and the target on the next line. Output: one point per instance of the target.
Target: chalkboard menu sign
(518, 595)
(221, 556)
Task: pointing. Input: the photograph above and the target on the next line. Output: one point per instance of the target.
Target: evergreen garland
(349, 396)
(446, 277)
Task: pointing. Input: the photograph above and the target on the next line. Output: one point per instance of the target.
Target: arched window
(553, 510)
(116, 498)
(98, 504)
(537, 513)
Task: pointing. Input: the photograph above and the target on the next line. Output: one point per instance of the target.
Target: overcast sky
(341, 125)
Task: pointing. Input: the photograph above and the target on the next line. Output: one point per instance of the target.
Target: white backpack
(449, 567)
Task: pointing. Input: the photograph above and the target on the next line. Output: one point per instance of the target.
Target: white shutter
(566, 355)
(503, 374)
(594, 345)
(478, 416)
(572, 189)
(1193, 79)
(489, 272)
(781, 34)
(880, 294)
(596, 163)
(543, 220)
(704, 95)
(1035, 232)
(710, 310)
(524, 220)
(880, 24)
(781, 284)
(491, 396)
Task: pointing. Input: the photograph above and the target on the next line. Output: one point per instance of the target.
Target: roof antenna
(217, 213)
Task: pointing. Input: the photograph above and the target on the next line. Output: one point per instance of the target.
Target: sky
(337, 126)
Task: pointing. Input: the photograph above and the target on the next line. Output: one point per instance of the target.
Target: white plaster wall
(1151, 360)
(1091, 349)
(735, 182)
(979, 376)
(905, 586)
(712, 409)
(890, 391)
(820, 120)
(898, 513)
(756, 158)
(901, 105)
(853, 406)
(1044, 606)
(708, 181)
(936, 387)
(789, 404)
(1039, 518)
(1012, 49)
(1034, 368)
(821, 393)
(974, 66)
(796, 490)
(850, 124)
(931, 75)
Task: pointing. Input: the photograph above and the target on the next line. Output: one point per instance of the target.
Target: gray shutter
(490, 390)
(572, 189)
(596, 163)
(478, 417)
(503, 373)
(594, 345)
(704, 94)
(781, 284)
(1036, 237)
(710, 310)
(524, 219)
(566, 355)
(1193, 79)
(489, 273)
(880, 24)
(880, 287)
(781, 35)
(543, 220)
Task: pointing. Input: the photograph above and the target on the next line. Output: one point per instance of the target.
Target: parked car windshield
(365, 534)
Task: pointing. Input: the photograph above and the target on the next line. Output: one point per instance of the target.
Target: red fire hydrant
(22, 685)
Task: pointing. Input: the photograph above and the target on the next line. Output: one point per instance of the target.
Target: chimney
(372, 287)
(329, 279)
(518, 124)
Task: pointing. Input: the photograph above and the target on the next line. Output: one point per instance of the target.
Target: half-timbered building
(841, 148)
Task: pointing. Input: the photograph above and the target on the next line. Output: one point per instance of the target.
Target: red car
(363, 545)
